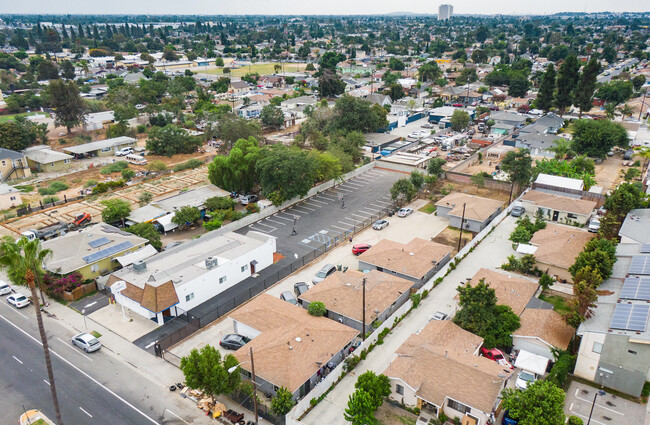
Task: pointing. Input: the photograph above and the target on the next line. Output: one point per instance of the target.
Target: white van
(136, 159)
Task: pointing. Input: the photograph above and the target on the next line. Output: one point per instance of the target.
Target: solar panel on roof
(630, 317)
(645, 248)
(95, 243)
(640, 265)
(96, 256)
(636, 288)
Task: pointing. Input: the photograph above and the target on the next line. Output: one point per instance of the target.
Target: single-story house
(558, 183)
(292, 348)
(542, 330)
(270, 81)
(439, 371)
(538, 144)
(636, 227)
(445, 112)
(548, 124)
(106, 147)
(509, 118)
(92, 251)
(43, 159)
(557, 248)
(416, 261)
(238, 87)
(555, 207)
(186, 276)
(412, 161)
(97, 120)
(379, 99)
(13, 165)
(478, 211)
(342, 294)
(510, 289)
(9, 197)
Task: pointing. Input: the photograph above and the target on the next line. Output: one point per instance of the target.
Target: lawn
(39, 422)
(428, 208)
(559, 303)
(5, 118)
(260, 68)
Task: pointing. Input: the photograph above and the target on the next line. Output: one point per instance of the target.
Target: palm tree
(23, 261)
(610, 110)
(562, 148)
(626, 110)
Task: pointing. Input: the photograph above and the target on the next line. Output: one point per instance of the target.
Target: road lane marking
(82, 409)
(73, 349)
(283, 218)
(15, 311)
(167, 410)
(17, 359)
(276, 222)
(47, 382)
(81, 372)
(91, 304)
(601, 406)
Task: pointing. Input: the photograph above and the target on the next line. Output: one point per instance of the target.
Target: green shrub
(141, 128)
(58, 186)
(187, 165)
(252, 208)
(46, 191)
(157, 165)
(90, 183)
(212, 224)
(115, 167)
(415, 299)
(25, 188)
(574, 420)
(219, 203)
(128, 174)
(317, 309)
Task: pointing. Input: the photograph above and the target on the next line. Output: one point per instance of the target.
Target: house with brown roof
(478, 211)
(542, 330)
(438, 371)
(416, 261)
(557, 248)
(291, 348)
(343, 295)
(511, 290)
(555, 207)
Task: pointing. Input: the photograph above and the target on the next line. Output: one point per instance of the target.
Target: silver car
(327, 270)
(5, 289)
(86, 342)
(288, 297)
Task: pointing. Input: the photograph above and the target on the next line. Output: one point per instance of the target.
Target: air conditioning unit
(211, 262)
(140, 266)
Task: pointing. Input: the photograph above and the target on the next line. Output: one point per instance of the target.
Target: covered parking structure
(106, 147)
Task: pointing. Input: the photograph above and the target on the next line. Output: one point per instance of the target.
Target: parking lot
(608, 409)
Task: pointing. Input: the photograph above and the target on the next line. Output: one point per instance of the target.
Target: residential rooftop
(559, 245)
(100, 144)
(547, 325)
(476, 208)
(559, 181)
(414, 259)
(511, 290)
(559, 202)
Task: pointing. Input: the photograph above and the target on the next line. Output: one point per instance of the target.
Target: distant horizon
(332, 8)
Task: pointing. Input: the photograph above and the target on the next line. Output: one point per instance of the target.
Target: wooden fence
(80, 292)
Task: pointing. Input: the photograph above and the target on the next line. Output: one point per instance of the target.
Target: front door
(555, 215)
(252, 268)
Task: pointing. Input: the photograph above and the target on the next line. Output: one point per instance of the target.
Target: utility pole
(363, 312)
(254, 386)
(598, 393)
(642, 105)
(462, 220)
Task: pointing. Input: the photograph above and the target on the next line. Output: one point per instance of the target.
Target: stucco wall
(533, 345)
(587, 362)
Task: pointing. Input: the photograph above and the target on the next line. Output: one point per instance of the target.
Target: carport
(532, 362)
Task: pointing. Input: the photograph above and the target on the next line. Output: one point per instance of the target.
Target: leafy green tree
(562, 148)
(272, 116)
(638, 81)
(236, 172)
(232, 128)
(403, 189)
(542, 403)
(479, 56)
(360, 410)
(616, 91)
(567, 81)
(68, 105)
(518, 165)
(459, 120)
(396, 64)
(67, 70)
(186, 216)
(144, 198)
(204, 370)
(545, 281)
(435, 167)
(330, 59)
(115, 210)
(429, 71)
(219, 203)
(586, 86)
(625, 198)
(221, 85)
(147, 231)
(317, 308)
(282, 402)
(546, 95)
(285, 172)
(355, 114)
(599, 254)
(377, 386)
(396, 91)
(327, 166)
(478, 179)
(595, 138)
(519, 85)
(47, 70)
(128, 174)
(21, 133)
(467, 75)
(417, 179)
(329, 84)
(171, 140)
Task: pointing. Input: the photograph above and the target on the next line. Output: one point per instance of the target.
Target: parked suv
(248, 199)
(124, 152)
(327, 270)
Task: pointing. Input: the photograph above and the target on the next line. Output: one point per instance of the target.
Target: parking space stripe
(354, 184)
(276, 215)
(295, 208)
(347, 224)
(382, 202)
(381, 207)
(260, 230)
(592, 419)
(329, 198)
(362, 216)
(317, 201)
(346, 191)
(345, 229)
(601, 406)
(276, 222)
(306, 207)
(290, 214)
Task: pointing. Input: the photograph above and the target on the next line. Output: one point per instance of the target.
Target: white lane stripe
(362, 216)
(347, 224)
(305, 207)
(15, 311)
(259, 230)
(81, 408)
(81, 371)
(282, 218)
(74, 349)
(317, 201)
(17, 359)
(583, 416)
(299, 210)
(346, 191)
(91, 304)
(276, 222)
(372, 210)
(44, 380)
(267, 225)
(291, 214)
(381, 207)
(601, 406)
(329, 198)
(167, 410)
(354, 185)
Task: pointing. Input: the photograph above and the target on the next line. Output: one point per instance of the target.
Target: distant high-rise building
(445, 11)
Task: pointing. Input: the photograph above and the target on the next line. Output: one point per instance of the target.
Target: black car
(300, 288)
(234, 341)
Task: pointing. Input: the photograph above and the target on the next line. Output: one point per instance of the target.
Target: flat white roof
(558, 181)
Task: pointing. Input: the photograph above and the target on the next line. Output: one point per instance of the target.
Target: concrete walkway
(491, 253)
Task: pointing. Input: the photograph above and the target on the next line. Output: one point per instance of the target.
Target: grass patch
(53, 188)
(260, 68)
(50, 199)
(115, 167)
(39, 422)
(559, 303)
(26, 188)
(6, 118)
(428, 208)
(96, 334)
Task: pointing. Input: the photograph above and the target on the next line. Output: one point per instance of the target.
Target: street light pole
(462, 220)
(363, 311)
(598, 393)
(254, 385)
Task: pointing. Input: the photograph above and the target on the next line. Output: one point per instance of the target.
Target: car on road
(234, 341)
(518, 211)
(5, 289)
(86, 342)
(439, 315)
(524, 379)
(496, 355)
(594, 225)
(457, 105)
(18, 300)
(325, 271)
(288, 297)
(360, 248)
(248, 199)
(403, 212)
(380, 224)
(428, 125)
(124, 152)
(300, 288)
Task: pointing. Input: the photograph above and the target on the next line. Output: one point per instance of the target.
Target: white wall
(245, 330)
(533, 345)
(409, 397)
(133, 306)
(587, 362)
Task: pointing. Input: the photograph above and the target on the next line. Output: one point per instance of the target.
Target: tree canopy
(236, 172)
(595, 138)
(285, 173)
(115, 210)
(542, 403)
(171, 140)
(205, 370)
(68, 105)
(518, 165)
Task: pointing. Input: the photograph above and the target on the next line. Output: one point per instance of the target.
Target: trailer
(48, 232)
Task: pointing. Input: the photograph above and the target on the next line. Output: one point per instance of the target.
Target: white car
(5, 289)
(86, 342)
(439, 315)
(124, 152)
(18, 300)
(524, 379)
(380, 224)
(594, 225)
(403, 212)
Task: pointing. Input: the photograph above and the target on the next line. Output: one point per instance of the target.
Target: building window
(12, 198)
(107, 149)
(572, 216)
(66, 161)
(4, 163)
(222, 279)
(244, 268)
(399, 389)
(94, 268)
(458, 406)
(189, 297)
(597, 348)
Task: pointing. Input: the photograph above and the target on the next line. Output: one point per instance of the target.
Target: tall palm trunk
(41, 329)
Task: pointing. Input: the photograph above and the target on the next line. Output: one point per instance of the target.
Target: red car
(360, 248)
(457, 105)
(496, 355)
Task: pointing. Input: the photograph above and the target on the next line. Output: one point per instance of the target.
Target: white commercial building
(445, 11)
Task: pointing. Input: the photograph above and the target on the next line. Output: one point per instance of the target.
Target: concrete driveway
(608, 410)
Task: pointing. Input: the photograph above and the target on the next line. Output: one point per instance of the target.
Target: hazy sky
(344, 7)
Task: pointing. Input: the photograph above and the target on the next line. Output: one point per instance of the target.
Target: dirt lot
(501, 195)
(608, 172)
(449, 237)
(390, 415)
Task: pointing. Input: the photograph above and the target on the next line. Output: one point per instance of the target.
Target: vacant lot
(450, 236)
(5, 118)
(260, 68)
(391, 415)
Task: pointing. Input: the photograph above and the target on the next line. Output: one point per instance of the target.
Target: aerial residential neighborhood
(301, 214)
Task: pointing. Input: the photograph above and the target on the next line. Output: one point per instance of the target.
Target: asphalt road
(93, 388)
(613, 72)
